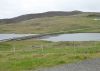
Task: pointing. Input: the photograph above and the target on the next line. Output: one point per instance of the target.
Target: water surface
(12, 36)
(74, 37)
(57, 38)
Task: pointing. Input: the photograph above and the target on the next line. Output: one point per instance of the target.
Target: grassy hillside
(39, 15)
(61, 24)
(27, 55)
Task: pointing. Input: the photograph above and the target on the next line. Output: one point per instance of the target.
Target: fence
(61, 47)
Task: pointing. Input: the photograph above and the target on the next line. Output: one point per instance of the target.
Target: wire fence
(75, 46)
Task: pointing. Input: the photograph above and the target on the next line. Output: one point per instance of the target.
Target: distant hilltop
(39, 15)
(47, 14)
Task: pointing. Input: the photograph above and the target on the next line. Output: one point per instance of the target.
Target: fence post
(14, 49)
(74, 48)
(42, 48)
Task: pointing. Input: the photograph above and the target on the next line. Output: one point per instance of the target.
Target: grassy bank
(64, 24)
(29, 55)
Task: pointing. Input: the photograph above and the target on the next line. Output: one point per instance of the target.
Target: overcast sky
(12, 8)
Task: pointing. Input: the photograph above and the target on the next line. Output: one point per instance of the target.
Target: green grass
(64, 24)
(28, 54)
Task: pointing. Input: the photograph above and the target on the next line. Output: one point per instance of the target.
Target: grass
(28, 54)
(64, 24)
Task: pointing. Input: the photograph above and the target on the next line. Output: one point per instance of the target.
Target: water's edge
(38, 36)
(72, 36)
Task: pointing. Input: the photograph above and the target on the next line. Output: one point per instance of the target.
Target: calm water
(61, 37)
(74, 37)
(11, 36)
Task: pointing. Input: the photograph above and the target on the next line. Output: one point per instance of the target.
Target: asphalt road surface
(87, 65)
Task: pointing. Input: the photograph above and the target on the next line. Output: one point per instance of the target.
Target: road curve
(87, 65)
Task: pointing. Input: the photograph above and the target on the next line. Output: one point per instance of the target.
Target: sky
(13, 8)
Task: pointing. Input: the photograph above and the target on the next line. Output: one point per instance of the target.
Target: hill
(39, 15)
(52, 22)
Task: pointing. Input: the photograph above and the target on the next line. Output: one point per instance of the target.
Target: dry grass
(63, 24)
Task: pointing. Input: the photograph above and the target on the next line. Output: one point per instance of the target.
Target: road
(87, 65)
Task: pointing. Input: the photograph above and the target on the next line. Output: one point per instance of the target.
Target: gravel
(87, 65)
